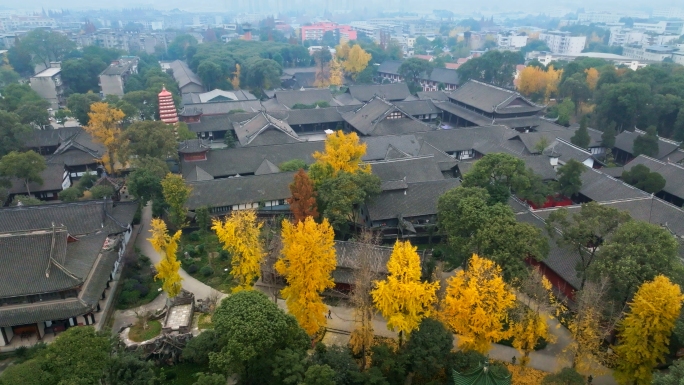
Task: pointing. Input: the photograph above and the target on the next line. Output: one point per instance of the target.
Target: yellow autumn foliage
(402, 298)
(239, 235)
(308, 259)
(524, 375)
(336, 74)
(534, 80)
(356, 61)
(343, 152)
(105, 128)
(592, 77)
(476, 305)
(644, 334)
(168, 267)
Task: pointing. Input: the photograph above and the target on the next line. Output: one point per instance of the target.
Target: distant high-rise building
(563, 42)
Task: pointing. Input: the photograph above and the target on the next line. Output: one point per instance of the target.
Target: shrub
(199, 249)
(70, 194)
(194, 237)
(129, 284)
(293, 165)
(192, 269)
(207, 271)
(87, 181)
(190, 250)
(142, 289)
(100, 192)
(223, 255)
(144, 260)
(129, 297)
(197, 350)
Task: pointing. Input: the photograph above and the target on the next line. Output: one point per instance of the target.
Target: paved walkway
(549, 359)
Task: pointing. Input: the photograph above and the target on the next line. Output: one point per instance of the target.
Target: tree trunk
(28, 191)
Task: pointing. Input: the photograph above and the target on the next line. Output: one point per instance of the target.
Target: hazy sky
(458, 6)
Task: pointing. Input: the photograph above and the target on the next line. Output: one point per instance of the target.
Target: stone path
(548, 360)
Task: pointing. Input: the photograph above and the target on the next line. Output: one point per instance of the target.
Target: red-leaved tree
(303, 200)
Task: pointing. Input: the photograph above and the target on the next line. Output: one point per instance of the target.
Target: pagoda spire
(167, 108)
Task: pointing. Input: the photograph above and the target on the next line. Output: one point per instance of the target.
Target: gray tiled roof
(48, 138)
(79, 218)
(411, 170)
(377, 146)
(183, 74)
(347, 254)
(486, 138)
(42, 311)
(417, 200)
(78, 150)
(218, 108)
(196, 173)
(672, 173)
(464, 113)
(443, 75)
(440, 96)
(372, 119)
(249, 131)
(625, 142)
(418, 107)
(193, 146)
(392, 91)
(541, 165)
(566, 151)
(491, 99)
(313, 116)
(389, 67)
(212, 123)
(562, 260)
(29, 263)
(52, 181)
(308, 96)
(267, 167)
(600, 187)
(347, 100)
(246, 160)
(240, 190)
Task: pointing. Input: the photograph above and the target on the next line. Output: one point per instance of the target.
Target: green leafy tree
(70, 194)
(179, 45)
(78, 356)
(500, 174)
(472, 225)
(153, 139)
(567, 376)
(673, 377)
(25, 166)
(211, 74)
(340, 360)
(24, 200)
(637, 252)
(20, 59)
(210, 379)
(46, 46)
(585, 232)
(7, 76)
(263, 74)
(99, 192)
(293, 165)
(129, 368)
(340, 197)
(145, 181)
(79, 105)
(27, 373)
(622, 103)
(198, 348)
(176, 194)
(253, 329)
(565, 110)
(13, 133)
(62, 115)
(494, 67)
(581, 137)
(427, 349)
(576, 88)
(570, 178)
(646, 144)
(289, 367)
(411, 69)
(390, 362)
(608, 136)
(319, 375)
(642, 178)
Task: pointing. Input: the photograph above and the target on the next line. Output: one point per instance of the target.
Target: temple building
(167, 108)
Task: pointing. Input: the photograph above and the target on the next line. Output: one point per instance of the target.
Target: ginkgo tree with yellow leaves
(476, 305)
(644, 334)
(169, 266)
(402, 298)
(308, 259)
(343, 152)
(105, 128)
(239, 234)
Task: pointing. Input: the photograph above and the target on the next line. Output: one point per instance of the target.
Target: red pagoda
(167, 109)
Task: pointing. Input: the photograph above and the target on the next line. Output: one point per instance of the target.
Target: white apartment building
(655, 53)
(598, 17)
(48, 84)
(624, 36)
(511, 41)
(675, 27)
(563, 43)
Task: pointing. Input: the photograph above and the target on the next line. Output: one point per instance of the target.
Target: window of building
(395, 115)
